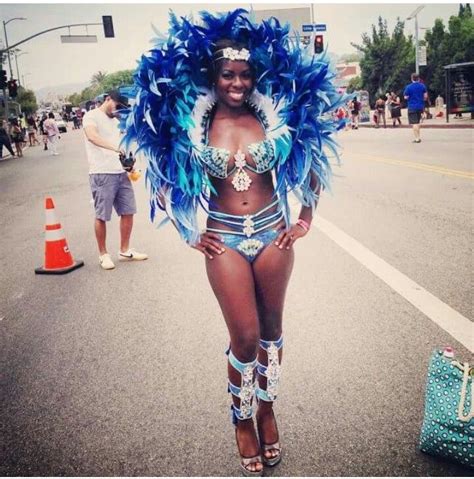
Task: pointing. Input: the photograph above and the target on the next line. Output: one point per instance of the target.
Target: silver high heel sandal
(272, 372)
(245, 393)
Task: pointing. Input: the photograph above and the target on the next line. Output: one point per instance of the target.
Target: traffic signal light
(3, 79)
(108, 26)
(12, 89)
(318, 44)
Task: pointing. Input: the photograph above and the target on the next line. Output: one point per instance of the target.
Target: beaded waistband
(247, 225)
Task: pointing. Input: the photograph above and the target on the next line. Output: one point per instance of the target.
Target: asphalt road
(123, 372)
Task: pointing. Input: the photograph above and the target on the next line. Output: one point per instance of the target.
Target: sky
(48, 62)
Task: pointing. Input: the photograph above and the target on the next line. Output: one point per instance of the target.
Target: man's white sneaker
(132, 255)
(106, 261)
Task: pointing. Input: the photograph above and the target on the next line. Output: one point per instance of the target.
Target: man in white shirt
(110, 184)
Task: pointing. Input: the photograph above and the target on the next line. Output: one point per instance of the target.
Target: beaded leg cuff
(246, 391)
(272, 371)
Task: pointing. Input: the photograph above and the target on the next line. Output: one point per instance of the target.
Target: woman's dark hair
(50, 114)
(218, 61)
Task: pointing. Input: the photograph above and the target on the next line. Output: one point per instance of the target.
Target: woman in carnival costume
(232, 116)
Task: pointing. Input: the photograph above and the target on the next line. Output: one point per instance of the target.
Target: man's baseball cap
(118, 98)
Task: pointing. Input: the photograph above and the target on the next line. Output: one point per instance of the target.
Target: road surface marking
(454, 323)
(418, 166)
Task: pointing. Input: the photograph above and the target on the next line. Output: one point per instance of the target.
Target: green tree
(98, 78)
(102, 83)
(117, 79)
(445, 47)
(388, 59)
(355, 84)
(27, 100)
(74, 99)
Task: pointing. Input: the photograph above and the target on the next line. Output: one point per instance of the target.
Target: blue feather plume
(174, 73)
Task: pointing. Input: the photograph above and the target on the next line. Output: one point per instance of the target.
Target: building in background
(296, 17)
(345, 73)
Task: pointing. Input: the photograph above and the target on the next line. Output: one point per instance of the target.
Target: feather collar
(262, 105)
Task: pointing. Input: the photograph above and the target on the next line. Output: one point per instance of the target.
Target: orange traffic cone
(58, 258)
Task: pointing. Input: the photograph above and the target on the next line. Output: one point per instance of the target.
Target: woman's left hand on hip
(287, 237)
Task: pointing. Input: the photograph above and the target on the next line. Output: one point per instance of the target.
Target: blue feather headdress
(294, 95)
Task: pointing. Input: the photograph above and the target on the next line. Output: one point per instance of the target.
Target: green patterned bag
(448, 424)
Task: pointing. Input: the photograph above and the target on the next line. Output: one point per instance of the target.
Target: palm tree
(98, 78)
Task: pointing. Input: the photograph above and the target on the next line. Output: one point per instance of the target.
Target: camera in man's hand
(127, 161)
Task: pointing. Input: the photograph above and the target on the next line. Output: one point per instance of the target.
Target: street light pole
(417, 57)
(23, 79)
(415, 16)
(5, 23)
(16, 61)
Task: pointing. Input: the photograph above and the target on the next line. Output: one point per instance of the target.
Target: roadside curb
(9, 157)
(423, 125)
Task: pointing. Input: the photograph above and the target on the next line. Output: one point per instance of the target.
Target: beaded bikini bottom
(250, 233)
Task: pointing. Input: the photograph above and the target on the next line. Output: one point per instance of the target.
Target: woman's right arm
(208, 242)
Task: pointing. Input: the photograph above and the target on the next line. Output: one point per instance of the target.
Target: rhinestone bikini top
(217, 159)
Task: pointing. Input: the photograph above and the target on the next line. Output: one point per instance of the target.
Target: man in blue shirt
(415, 93)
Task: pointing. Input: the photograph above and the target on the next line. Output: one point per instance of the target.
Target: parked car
(62, 126)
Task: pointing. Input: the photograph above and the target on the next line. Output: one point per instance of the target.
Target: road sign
(422, 56)
(78, 38)
(307, 28)
(320, 27)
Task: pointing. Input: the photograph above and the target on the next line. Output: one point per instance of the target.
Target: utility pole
(5, 23)
(417, 57)
(16, 62)
(108, 33)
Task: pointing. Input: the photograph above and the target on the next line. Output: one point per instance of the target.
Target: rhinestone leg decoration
(246, 391)
(271, 371)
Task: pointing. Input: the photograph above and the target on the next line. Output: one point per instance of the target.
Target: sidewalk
(8, 156)
(464, 122)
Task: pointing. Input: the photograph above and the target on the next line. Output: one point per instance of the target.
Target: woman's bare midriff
(232, 202)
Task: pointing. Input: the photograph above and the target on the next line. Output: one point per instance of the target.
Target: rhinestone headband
(232, 54)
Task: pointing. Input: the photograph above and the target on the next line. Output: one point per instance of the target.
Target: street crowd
(34, 130)
(386, 107)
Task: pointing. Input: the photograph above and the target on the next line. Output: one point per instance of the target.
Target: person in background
(416, 94)
(110, 184)
(17, 137)
(439, 105)
(5, 140)
(388, 104)
(80, 114)
(22, 124)
(342, 114)
(395, 109)
(32, 129)
(380, 112)
(43, 131)
(75, 121)
(51, 128)
(354, 107)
